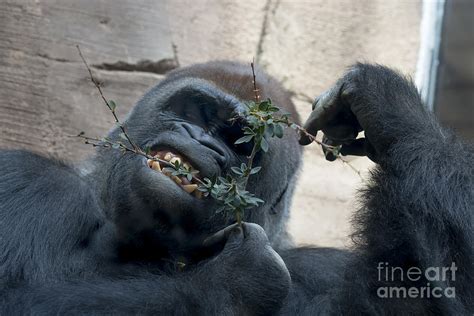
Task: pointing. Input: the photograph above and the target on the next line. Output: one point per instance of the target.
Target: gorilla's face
(188, 116)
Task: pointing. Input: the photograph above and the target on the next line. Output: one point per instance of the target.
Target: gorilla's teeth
(149, 162)
(190, 188)
(198, 194)
(168, 156)
(187, 185)
(156, 166)
(175, 159)
(176, 179)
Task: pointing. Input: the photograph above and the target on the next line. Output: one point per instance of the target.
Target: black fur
(103, 238)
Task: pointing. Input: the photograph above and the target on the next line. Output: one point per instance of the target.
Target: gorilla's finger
(255, 232)
(360, 147)
(341, 133)
(324, 109)
(220, 237)
(235, 238)
(328, 154)
(357, 147)
(312, 125)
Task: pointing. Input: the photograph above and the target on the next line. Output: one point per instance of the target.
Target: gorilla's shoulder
(27, 172)
(318, 256)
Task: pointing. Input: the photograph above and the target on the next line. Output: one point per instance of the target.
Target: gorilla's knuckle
(252, 227)
(369, 73)
(255, 233)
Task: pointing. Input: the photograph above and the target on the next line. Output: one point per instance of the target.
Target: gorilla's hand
(371, 98)
(249, 269)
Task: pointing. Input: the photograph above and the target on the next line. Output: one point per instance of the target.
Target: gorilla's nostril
(219, 152)
(197, 133)
(212, 144)
(190, 130)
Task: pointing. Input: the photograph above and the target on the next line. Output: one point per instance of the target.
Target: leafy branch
(109, 103)
(262, 120)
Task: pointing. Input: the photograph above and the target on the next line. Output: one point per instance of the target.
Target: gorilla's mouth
(190, 185)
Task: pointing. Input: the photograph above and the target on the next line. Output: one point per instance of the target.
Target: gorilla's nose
(217, 150)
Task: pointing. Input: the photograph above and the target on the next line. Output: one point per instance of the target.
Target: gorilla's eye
(212, 115)
(233, 132)
(196, 109)
(194, 113)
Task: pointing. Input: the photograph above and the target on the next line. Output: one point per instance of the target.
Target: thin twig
(255, 89)
(330, 147)
(106, 143)
(111, 108)
(352, 167)
(175, 54)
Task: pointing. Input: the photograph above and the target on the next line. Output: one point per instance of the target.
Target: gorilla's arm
(417, 209)
(148, 294)
(247, 277)
(48, 218)
(51, 227)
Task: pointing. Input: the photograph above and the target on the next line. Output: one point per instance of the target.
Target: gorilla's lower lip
(188, 184)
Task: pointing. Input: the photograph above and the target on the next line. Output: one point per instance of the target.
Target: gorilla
(114, 236)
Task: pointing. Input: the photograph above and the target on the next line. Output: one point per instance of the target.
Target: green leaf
(250, 104)
(248, 131)
(264, 145)
(223, 180)
(278, 130)
(244, 139)
(116, 146)
(112, 105)
(236, 170)
(255, 170)
(269, 131)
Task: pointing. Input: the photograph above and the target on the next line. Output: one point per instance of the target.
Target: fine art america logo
(414, 282)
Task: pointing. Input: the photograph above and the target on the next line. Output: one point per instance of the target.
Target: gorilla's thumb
(223, 236)
(236, 236)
